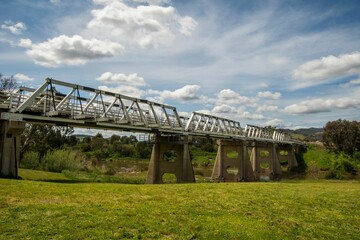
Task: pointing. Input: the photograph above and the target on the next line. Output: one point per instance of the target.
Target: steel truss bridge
(65, 104)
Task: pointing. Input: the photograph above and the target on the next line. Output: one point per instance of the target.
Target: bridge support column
(265, 162)
(10, 132)
(232, 162)
(178, 164)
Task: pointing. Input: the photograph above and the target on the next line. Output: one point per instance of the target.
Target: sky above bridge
(288, 64)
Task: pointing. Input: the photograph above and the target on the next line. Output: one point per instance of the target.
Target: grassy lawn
(35, 175)
(276, 210)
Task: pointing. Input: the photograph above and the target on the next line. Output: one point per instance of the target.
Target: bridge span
(65, 104)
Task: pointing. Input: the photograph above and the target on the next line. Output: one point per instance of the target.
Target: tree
(342, 136)
(41, 138)
(98, 142)
(114, 138)
(143, 149)
(7, 83)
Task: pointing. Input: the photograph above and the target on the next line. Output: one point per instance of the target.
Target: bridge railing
(209, 124)
(84, 103)
(252, 131)
(56, 101)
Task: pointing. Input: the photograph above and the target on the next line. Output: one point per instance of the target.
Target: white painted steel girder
(60, 102)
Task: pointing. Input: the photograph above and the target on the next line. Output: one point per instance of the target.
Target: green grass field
(273, 210)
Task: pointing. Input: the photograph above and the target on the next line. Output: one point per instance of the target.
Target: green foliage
(59, 160)
(301, 167)
(108, 177)
(356, 156)
(37, 175)
(114, 138)
(30, 160)
(325, 164)
(342, 165)
(42, 138)
(98, 142)
(170, 156)
(342, 136)
(143, 149)
(202, 158)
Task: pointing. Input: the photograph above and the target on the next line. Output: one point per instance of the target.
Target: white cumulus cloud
(268, 94)
(275, 123)
(326, 69)
(224, 108)
(64, 50)
(26, 43)
(234, 113)
(186, 93)
(146, 25)
(22, 77)
(322, 105)
(153, 2)
(229, 96)
(15, 28)
(120, 78)
(130, 91)
(251, 116)
(267, 108)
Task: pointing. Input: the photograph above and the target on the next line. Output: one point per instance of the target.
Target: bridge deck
(62, 103)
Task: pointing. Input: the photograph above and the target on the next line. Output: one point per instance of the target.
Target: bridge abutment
(170, 154)
(10, 147)
(232, 162)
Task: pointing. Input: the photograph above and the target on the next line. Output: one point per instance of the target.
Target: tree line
(40, 141)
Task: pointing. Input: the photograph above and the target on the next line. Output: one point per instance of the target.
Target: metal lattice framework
(208, 124)
(252, 131)
(62, 103)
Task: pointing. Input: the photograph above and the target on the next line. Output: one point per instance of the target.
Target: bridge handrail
(85, 105)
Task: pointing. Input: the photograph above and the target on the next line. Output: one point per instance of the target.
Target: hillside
(307, 134)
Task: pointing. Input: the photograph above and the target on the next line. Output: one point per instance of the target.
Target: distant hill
(306, 134)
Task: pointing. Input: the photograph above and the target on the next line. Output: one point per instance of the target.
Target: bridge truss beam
(61, 103)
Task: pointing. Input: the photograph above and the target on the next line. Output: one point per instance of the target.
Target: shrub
(59, 160)
(30, 160)
(342, 165)
(356, 156)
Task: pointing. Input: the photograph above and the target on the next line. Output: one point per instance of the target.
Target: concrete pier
(10, 132)
(180, 166)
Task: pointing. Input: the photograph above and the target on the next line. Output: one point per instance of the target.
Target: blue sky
(288, 64)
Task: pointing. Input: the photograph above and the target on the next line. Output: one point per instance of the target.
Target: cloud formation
(64, 50)
(267, 108)
(14, 28)
(232, 112)
(326, 69)
(146, 25)
(114, 25)
(229, 96)
(130, 91)
(268, 94)
(275, 123)
(153, 2)
(22, 77)
(352, 83)
(322, 105)
(186, 93)
(120, 78)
